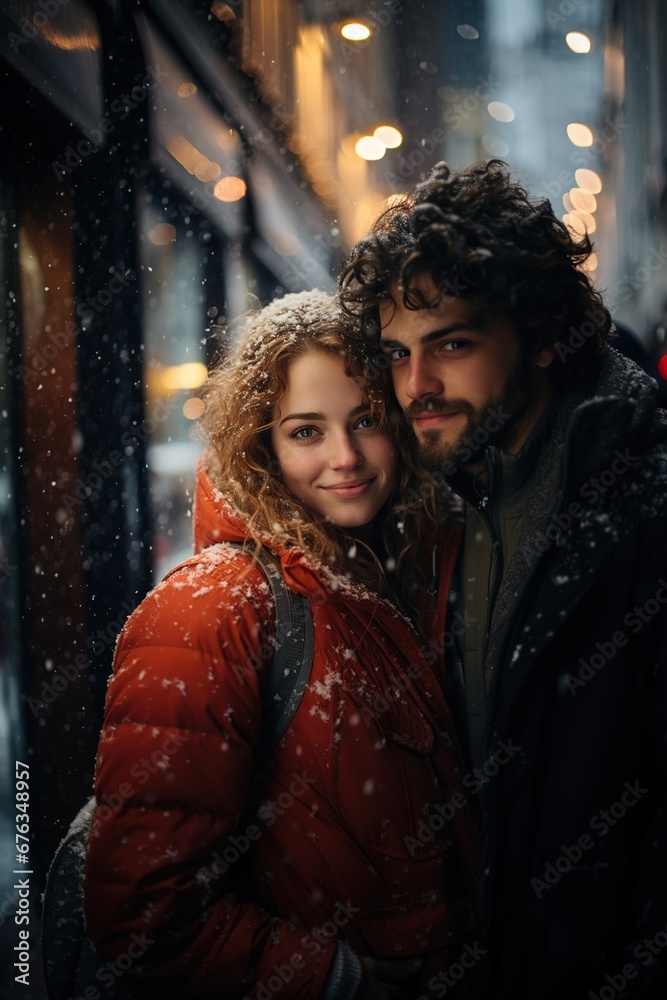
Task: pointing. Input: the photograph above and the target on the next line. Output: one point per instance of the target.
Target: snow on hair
(242, 397)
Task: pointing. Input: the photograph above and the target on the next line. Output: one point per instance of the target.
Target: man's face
(463, 383)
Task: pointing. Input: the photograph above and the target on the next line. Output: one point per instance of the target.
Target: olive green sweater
(492, 534)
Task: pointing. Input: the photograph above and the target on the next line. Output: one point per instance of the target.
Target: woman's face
(330, 449)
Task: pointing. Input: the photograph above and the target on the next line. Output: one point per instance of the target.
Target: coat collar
(591, 425)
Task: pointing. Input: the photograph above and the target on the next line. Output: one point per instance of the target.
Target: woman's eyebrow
(303, 416)
(322, 416)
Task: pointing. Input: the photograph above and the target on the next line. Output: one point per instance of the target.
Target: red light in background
(662, 366)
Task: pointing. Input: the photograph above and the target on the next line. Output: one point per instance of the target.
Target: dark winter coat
(572, 888)
(349, 841)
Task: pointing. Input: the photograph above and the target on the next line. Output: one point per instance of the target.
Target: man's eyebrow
(452, 328)
(437, 334)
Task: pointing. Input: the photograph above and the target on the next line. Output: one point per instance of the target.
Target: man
(499, 350)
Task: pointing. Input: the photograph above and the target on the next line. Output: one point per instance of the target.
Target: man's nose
(422, 380)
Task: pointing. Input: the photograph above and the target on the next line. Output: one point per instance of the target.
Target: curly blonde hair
(242, 397)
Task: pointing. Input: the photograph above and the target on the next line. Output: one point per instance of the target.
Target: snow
(176, 682)
(317, 712)
(324, 687)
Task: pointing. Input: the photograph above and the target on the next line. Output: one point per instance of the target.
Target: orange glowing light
(193, 408)
(588, 180)
(356, 31)
(230, 189)
(583, 200)
(162, 234)
(580, 135)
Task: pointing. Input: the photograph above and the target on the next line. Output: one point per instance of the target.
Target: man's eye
(454, 345)
(397, 353)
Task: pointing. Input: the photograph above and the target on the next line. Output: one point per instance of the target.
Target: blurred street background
(167, 164)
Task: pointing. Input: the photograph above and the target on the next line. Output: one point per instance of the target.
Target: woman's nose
(344, 453)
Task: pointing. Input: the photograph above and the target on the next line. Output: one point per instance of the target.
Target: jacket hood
(214, 520)
(617, 410)
(620, 406)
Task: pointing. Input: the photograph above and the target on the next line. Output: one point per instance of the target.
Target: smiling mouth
(345, 491)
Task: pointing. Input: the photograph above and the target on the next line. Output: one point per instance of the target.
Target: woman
(243, 878)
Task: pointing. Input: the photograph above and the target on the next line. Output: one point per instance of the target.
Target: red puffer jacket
(357, 838)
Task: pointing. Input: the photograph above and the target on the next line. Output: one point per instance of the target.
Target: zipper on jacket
(432, 588)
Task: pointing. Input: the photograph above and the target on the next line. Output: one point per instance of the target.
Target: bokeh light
(575, 223)
(388, 136)
(583, 200)
(162, 234)
(494, 145)
(588, 180)
(355, 31)
(587, 219)
(578, 42)
(579, 135)
(500, 111)
(370, 148)
(193, 408)
(230, 189)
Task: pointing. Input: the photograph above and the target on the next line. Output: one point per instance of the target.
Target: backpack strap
(292, 660)
(69, 958)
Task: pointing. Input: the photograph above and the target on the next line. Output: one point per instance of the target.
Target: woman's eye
(303, 433)
(367, 422)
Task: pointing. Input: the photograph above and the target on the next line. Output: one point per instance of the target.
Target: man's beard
(492, 425)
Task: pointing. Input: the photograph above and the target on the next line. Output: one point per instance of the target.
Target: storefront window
(191, 143)
(57, 48)
(176, 261)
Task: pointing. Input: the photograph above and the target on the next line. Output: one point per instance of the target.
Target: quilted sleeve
(173, 774)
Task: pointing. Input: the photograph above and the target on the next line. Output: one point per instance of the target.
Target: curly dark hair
(479, 235)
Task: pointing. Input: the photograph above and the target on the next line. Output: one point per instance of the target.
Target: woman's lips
(355, 488)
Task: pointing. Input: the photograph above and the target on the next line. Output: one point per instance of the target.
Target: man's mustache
(438, 406)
